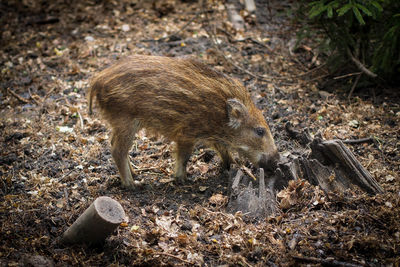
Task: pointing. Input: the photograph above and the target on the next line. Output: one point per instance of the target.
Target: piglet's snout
(269, 161)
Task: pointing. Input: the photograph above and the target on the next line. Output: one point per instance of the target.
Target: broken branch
(354, 86)
(360, 65)
(248, 172)
(358, 141)
(173, 256)
(20, 98)
(330, 262)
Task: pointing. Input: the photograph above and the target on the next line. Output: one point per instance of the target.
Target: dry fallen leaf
(50, 175)
(203, 188)
(218, 199)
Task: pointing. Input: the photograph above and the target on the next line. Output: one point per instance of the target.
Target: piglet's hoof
(180, 180)
(132, 184)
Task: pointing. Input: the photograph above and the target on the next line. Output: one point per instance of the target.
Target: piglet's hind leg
(121, 142)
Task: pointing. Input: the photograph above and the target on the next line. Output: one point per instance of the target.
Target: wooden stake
(250, 5)
(234, 17)
(96, 223)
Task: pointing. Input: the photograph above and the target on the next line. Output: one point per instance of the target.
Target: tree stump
(346, 167)
(97, 222)
(329, 164)
(252, 202)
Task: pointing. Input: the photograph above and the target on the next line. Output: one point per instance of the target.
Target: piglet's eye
(260, 131)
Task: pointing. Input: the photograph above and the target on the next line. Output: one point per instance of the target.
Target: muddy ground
(55, 158)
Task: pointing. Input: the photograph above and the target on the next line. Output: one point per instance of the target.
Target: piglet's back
(179, 98)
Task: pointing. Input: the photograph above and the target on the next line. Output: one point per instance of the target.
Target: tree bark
(252, 202)
(329, 164)
(97, 222)
(348, 170)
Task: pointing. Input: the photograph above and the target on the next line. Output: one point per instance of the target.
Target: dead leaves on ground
(55, 159)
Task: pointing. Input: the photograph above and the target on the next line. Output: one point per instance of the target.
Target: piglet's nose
(269, 161)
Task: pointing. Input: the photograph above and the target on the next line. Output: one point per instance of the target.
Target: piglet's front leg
(182, 155)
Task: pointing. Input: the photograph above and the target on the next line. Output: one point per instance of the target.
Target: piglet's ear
(236, 112)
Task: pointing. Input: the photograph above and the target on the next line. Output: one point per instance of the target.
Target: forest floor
(55, 158)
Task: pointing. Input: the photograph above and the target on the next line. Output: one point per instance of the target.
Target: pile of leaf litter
(55, 159)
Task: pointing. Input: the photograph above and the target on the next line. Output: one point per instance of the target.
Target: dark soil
(55, 159)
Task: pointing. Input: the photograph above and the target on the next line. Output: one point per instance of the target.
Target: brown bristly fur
(182, 99)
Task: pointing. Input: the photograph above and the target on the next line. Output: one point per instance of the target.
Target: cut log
(96, 223)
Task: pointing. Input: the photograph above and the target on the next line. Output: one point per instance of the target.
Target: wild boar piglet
(187, 102)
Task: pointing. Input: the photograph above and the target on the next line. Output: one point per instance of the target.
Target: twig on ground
(153, 156)
(229, 216)
(360, 65)
(248, 172)
(354, 86)
(43, 21)
(330, 262)
(48, 93)
(17, 96)
(149, 169)
(157, 169)
(65, 175)
(231, 39)
(257, 42)
(358, 141)
(195, 12)
(374, 140)
(33, 97)
(309, 71)
(80, 119)
(173, 256)
(319, 77)
(346, 75)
